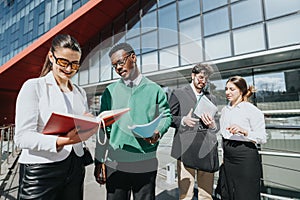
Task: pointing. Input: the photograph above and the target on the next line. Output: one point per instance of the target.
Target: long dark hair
(241, 83)
(60, 41)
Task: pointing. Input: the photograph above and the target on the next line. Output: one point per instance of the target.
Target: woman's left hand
(235, 129)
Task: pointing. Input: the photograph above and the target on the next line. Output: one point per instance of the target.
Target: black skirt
(243, 170)
(52, 181)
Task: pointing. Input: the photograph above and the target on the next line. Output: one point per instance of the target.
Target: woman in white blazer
(51, 166)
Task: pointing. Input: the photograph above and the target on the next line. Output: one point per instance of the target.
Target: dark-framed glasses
(201, 77)
(121, 62)
(75, 65)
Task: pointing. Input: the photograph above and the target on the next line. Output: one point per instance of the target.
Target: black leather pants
(53, 181)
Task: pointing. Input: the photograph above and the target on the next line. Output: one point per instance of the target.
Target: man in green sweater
(130, 161)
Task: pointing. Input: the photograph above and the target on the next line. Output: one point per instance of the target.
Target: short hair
(200, 67)
(125, 46)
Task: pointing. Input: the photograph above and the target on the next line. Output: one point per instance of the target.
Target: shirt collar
(239, 105)
(135, 82)
(195, 91)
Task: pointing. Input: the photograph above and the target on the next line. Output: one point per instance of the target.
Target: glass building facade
(257, 39)
(24, 21)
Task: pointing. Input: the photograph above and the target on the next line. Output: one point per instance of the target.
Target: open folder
(61, 123)
(205, 106)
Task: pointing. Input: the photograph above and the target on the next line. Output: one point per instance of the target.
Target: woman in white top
(242, 126)
(51, 166)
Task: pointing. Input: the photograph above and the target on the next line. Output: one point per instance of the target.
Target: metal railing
(282, 165)
(8, 150)
(7, 146)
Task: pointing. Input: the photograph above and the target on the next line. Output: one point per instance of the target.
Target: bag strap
(99, 126)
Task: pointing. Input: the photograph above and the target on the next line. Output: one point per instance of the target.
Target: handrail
(276, 197)
(283, 127)
(6, 141)
(282, 154)
(289, 111)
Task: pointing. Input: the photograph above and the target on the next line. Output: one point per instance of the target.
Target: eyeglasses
(65, 63)
(120, 62)
(201, 77)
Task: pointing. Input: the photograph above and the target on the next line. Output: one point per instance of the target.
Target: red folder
(62, 123)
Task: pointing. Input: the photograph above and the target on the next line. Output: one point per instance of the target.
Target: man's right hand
(189, 120)
(100, 173)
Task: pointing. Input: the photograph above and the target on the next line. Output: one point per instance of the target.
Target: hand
(100, 173)
(73, 137)
(154, 138)
(208, 120)
(88, 114)
(235, 129)
(189, 120)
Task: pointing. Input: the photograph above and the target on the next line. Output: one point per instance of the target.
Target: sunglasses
(120, 62)
(65, 63)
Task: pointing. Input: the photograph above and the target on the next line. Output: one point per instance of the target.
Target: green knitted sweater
(146, 101)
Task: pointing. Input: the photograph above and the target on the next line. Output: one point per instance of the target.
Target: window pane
(164, 2)
(275, 8)
(269, 86)
(83, 77)
(94, 66)
(167, 22)
(135, 43)
(119, 28)
(105, 66)
(249, 39)
(190, 30)
(168, 57)
(149, 22)
(188, 8)
(284, 31)
(212, 22)
(218, 46)
(133, 24)
(191, 53)
(246, 12)
(149, 42)
(211, 4)
(149, 62)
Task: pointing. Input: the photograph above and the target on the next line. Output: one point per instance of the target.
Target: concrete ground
(166, 186)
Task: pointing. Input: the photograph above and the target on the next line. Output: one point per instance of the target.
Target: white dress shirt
(248, 117)
(37, 99)
(197, 94)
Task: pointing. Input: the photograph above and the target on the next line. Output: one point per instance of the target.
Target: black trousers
(52, 181)
(121, 183)
(243, 170)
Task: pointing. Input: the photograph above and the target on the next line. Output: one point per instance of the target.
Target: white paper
(146, 130)
(205, 106)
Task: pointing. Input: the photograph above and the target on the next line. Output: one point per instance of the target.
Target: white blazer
(37, 99)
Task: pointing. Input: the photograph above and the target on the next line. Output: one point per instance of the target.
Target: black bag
(87, 157)
(200, 150)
